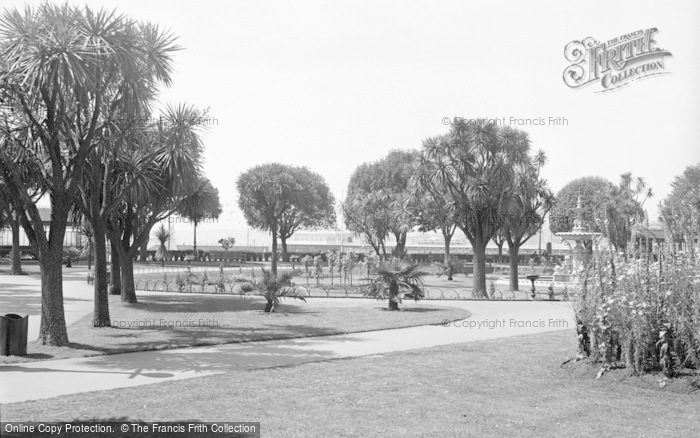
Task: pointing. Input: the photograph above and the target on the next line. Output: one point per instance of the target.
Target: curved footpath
(46, 379)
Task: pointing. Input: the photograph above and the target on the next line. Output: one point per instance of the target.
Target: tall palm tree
(397, 279)
(89, 242)
(271, 287)
(69, 71)
(163, 235)
(201, 204)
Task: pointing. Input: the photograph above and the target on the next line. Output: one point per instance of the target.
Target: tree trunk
(194, 242)
(285, 254)
(393, 296)
(448, 239)
(143, 252)
(479, 284)
(100, 316)
(115, 283)
(273, 267)
(126, 263)
(16, 253)
(513, 255)
(500, 252)
(52, 330)
(268, 307)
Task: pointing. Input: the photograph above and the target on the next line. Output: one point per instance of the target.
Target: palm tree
(163, 235)
(397, 277)
(88, 243)
(271, 287)
(201, 204)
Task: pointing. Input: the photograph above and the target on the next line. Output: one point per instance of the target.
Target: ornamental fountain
(577, 260)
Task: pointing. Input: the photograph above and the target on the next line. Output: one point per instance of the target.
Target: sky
(333, 84)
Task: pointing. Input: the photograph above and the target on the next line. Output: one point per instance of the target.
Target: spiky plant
(397, 278)
(163, 235)
(271, 287)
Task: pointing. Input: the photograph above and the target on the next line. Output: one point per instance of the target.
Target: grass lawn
(511, 387)
(181, 320)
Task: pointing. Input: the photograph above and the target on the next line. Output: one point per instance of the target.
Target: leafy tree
(594, 192)
(527, 204)
(272, 288)
(266, 194)
(605, 208)
(395, 278)
(316, 210)
(475, 162)
(201, 204)
(65, 68)
(227, 243)
(378, 203)
(163, 235)
(680, 210)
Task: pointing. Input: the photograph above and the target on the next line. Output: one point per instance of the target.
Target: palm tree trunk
(126, 262)
(268, 306)
(394, 296)
(273, 267)
(16, 256)
(285, 254)
(447, 238)
(479, 285)
(100, 316)
(513, 256)
(143, 252)
(194, 239)
(52, 330)
(115, 283)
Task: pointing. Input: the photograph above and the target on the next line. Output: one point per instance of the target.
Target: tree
(271, 287)
(475, 162)
(395, 278)
(10, 215)
(680, 210)
(316, 210)
(378, 203)
(594, 192)
(64, 69)
(88, 243)
(607, 209)
(266, 193)
(202, 204)
(227, 243)
(436, 212)
(163, 235)
(173, 148)
(624, 210)
(527, 204)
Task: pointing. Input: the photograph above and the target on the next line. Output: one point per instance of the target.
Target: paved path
(46, 379)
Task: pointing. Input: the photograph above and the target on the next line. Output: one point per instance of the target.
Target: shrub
(640, 311)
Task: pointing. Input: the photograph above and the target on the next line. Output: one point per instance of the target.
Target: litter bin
(13, 335)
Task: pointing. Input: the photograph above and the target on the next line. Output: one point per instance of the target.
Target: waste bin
(13, 335)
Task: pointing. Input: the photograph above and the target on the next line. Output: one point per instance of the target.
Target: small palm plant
(163, 235)
(271, 287)
(398, 278)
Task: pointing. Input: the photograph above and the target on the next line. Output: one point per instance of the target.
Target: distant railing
(340, 291)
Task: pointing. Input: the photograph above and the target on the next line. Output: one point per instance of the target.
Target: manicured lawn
(181, 320)
(512, 387)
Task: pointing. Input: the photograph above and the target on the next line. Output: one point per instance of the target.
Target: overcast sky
(331, 85)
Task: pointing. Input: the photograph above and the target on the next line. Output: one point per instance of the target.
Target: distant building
(73, 237)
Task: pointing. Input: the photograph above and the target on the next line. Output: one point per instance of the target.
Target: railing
(340, 291)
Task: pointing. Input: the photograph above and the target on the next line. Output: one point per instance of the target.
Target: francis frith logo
(615, 63)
